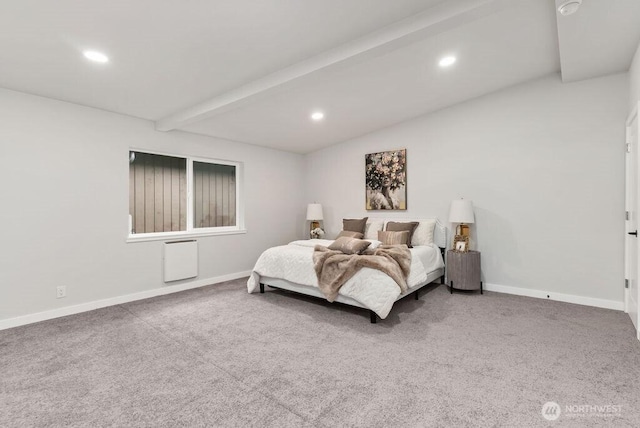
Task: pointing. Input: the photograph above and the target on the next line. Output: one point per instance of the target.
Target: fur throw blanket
(334, 268)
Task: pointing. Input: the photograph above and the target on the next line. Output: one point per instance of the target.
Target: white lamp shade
(461, 211)
(314, 212)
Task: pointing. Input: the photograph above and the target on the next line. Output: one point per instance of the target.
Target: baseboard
(552, 295)
(97, 304)
(118, 300)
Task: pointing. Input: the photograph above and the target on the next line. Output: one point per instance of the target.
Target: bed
(290, 267)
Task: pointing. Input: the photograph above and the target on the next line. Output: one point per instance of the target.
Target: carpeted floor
(217, 356)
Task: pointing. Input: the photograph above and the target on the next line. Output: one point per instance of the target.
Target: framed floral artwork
(386, 180)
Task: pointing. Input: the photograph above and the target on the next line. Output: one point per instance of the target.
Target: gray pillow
(354, 224)
(350, 234)
(398, 227)
(349, 245)
(393, 238)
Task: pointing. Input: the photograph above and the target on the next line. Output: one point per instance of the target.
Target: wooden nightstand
(463, 270)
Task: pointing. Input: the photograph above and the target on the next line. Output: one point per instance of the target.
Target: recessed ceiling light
(447, 61)
(95, 56)
(569, 7)
(318, 115)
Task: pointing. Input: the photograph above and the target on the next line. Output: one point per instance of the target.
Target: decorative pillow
(372, 228)
(349, 245)
(354, 224)
(350, 234)
(393, 238)
(410, 227)
(423, 235)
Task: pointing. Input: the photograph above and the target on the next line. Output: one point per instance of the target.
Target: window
(157, 193)
(214, 195)
(175, 196)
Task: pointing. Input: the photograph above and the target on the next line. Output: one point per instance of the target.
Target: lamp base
(463, 230)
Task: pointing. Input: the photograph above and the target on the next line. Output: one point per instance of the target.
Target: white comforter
(372, 288)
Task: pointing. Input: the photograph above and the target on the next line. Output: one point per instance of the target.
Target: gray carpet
(217, 356)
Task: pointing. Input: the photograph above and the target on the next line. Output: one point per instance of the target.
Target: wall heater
(180, 260)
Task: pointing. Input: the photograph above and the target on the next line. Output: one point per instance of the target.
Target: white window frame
(192, 232)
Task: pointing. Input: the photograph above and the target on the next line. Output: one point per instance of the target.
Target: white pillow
(372, 228)
(374, 244)
(423, 235)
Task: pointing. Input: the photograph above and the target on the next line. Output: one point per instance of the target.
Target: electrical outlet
(61, 291)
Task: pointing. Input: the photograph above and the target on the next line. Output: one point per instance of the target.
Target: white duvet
(372, 288)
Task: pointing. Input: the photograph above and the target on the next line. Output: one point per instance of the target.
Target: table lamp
(314, 214)
(461, 212)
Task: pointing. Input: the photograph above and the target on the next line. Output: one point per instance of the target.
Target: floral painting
(386, 180)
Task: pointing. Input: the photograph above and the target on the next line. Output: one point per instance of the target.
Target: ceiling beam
(442, 17)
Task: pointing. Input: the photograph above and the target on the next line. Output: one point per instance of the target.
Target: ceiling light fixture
(569, 7)
(96, 56)
(318, 115)
(447, 61)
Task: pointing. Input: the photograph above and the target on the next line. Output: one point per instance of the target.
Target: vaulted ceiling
(254, 70)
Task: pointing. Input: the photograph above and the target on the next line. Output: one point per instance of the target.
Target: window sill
(172, 236)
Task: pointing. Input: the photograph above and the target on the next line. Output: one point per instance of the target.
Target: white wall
(64, 186)
(634, 80)
(543, 163)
